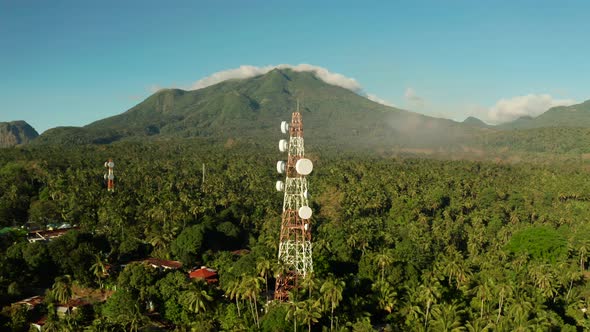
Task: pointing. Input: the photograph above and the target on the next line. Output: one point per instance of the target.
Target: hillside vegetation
(16, 133)
(561, 116)
(250, 109)
(401, 244)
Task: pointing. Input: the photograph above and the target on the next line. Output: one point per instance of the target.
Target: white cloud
(506, 110)
(412, 97)
(246, 71)
(224, 75)
(252, 71)
(376, 99)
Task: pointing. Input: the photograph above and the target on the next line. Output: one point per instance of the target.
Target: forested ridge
(400, 244)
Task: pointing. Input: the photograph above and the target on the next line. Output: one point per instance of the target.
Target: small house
(205, 273)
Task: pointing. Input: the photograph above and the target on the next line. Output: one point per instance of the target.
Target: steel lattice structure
(110, 176)
(295, 248)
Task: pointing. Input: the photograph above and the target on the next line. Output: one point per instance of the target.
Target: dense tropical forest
(400, 244)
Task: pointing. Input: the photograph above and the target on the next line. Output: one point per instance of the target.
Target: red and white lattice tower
(110, 177)
(295, 241)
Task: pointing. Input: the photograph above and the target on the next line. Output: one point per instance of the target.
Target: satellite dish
(106, 164)
(280, 186)
(105, 176)
(111, 164)
(111, 177)
(306, 194)
(306, 226)
(281, 167)
(305, 212)
(285, 127)
(304, 166)
(283, 145)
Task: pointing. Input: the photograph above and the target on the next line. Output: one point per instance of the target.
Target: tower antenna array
(295, 239)
(110, 177)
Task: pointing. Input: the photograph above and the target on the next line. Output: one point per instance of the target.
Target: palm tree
(310, 311)
(196, 300)
(62, 289)
(157, 239)
(98, 269)
(233, 292)
(293, 313)
(478, 325)
(503, 291)
(332, 293)
(250, 288)
(543, 278)
(263, 267)
(583, 250)
(383, 260)
(568, 275)
(385, 296)
(309, 282)
(483, 293)
(519, 312)
(446, 317)
(429, 294)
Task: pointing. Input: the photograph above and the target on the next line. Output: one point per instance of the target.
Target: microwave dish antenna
(295, 246)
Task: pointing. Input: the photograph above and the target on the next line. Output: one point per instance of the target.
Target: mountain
(251, 109)
(15, 133)
(473, 121)
(561, 116)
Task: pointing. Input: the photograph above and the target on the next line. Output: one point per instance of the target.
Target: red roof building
(164, 264)
(240, 252)
(205, 273)
(31, 302)
(72, 305)
(47, 235)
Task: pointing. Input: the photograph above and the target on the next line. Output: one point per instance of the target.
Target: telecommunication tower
(295, 240)
(110, 177)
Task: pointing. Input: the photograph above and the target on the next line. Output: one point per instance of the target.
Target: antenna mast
(110, 177)
(295, 240)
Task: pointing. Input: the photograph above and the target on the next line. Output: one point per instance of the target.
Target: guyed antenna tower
(110, 177)
(295, 239)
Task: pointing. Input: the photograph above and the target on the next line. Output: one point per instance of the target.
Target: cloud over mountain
(510, 109)
(247, 71)
(376, 99)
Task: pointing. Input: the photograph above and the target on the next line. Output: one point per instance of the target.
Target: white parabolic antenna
(304, 166)
(283, 145)
(280, 186)
(305, 212)
(285, 127)
(281, 167)
(111, 176)
(106, 164)
(111, 164)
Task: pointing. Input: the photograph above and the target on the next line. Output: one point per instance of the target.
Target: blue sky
(74, 62)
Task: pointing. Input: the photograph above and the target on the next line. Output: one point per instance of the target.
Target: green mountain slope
(475, 122)
(561, 116)
(15, 133)
(251, 109)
